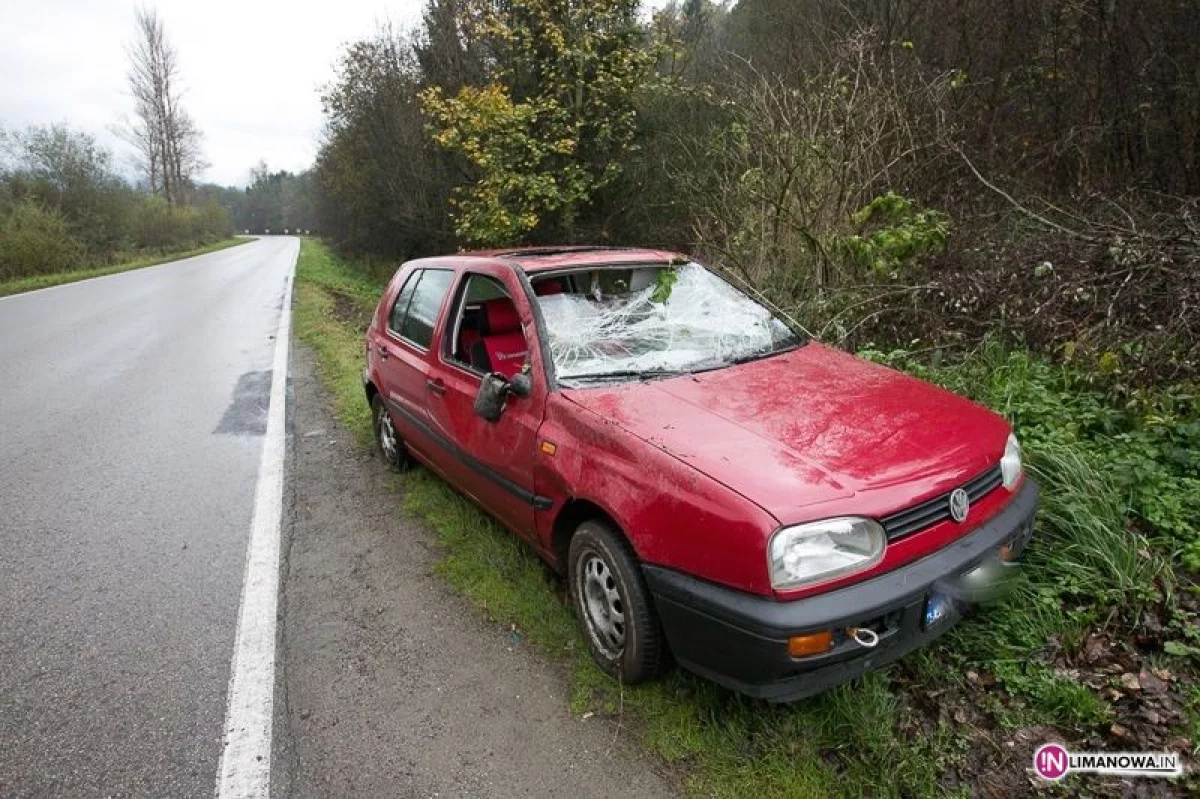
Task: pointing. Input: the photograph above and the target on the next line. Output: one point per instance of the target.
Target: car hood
(801, 432)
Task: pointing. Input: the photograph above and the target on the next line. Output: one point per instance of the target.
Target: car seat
(501, 345)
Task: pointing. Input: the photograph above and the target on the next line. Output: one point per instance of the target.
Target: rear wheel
(387, 440)
(613, 605)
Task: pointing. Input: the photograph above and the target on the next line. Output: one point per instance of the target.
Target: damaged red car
(719, 490)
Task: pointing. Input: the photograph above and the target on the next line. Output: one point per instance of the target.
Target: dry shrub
(1111, 286)
(776, 188)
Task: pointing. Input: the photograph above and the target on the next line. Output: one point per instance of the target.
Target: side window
(470, 322)
(422, 311)
(487, 329)
(400, 306)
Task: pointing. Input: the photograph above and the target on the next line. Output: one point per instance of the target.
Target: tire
(387, 441)
(614, 608)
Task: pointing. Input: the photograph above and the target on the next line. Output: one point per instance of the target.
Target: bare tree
(165, 138)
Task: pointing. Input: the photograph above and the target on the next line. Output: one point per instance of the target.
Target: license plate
(938, 608)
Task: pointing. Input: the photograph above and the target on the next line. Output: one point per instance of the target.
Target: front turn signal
(802, 646)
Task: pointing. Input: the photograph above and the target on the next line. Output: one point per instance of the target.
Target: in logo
(960, 504)
(1050, 761)
(1053, 762)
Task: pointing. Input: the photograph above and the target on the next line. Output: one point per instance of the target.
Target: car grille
(930, 512)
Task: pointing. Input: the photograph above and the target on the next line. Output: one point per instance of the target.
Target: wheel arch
(574, 512)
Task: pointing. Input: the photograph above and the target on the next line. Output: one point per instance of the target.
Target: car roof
(545, 259)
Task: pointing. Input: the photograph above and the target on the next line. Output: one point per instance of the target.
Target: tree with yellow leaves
(554, 122)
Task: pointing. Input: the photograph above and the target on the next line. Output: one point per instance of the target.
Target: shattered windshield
(652, 321)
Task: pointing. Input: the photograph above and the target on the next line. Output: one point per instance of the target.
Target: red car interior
(501, 345)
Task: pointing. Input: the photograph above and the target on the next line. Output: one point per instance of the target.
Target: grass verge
(20, 285)
(960, 717)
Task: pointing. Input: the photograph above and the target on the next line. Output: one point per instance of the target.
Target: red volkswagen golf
(774, 514)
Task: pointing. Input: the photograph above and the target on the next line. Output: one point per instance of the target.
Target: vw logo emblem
(960, 503)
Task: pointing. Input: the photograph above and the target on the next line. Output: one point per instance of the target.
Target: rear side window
(400, 306)
(420, 313)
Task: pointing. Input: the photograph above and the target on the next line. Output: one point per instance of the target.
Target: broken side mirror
(495, 389)
(489, 402)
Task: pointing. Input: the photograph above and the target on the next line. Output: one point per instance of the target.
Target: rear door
(493, 461)
(404, 347)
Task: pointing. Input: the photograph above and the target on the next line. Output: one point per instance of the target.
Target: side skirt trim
(536, 500)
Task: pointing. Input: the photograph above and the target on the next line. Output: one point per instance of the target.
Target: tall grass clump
(1089, 547)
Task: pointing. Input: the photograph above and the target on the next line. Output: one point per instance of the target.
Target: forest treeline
(889, 170)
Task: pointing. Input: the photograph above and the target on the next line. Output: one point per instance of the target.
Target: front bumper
(739, 640)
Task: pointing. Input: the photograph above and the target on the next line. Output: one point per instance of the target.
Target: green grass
(1098, 561)
(32, 282)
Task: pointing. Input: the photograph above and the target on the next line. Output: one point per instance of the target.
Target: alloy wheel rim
(603, 608)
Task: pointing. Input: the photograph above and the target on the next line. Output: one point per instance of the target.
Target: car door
(404, 347)
(495, 458)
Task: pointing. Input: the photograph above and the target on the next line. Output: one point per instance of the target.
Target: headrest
(500, 316)
(547, 287)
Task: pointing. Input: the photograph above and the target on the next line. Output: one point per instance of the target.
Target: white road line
(245, 769)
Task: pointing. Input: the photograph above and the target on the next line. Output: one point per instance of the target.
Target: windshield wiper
(758, 356)
(641, 374)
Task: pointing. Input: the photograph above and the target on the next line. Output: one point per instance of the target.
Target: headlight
(807, 553)
(1010, 464)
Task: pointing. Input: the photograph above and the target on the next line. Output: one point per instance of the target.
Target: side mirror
(495, 389)
(489, 402)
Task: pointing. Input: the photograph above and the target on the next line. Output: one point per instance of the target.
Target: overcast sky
(252, 70)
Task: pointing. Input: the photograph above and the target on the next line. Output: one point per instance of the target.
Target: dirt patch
(348, 309)
(1148, 704)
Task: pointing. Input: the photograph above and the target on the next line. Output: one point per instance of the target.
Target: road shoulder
(390, 684)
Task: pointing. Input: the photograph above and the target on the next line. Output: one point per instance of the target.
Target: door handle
(383, 351)
(436, 386)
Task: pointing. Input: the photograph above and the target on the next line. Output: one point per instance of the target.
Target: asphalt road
(132, 409)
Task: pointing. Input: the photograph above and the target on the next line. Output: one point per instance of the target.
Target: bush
(35, 240)
(157, 225)
(212, 221)
(891, 234)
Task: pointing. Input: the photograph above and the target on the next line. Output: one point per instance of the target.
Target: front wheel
(613, 605)
(387, 440)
